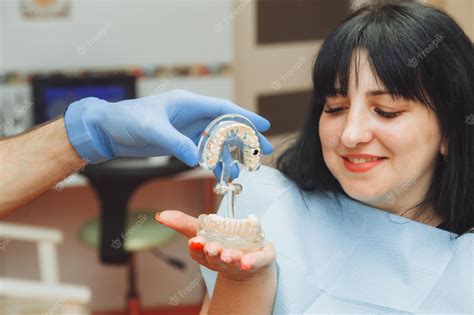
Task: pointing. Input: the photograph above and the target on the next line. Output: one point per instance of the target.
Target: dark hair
(419, 53)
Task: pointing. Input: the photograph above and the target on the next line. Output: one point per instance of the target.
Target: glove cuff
(81, 135)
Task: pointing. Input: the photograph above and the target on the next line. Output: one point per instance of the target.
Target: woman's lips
(361, 167)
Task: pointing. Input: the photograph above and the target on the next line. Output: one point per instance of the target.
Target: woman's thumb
(178, 221)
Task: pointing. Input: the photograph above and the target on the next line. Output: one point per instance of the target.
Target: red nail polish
(157, 217)
(245, 267)
(196, 246)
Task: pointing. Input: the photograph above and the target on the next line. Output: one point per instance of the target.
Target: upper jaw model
(228, 140)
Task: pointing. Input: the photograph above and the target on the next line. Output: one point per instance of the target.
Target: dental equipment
(228, 140)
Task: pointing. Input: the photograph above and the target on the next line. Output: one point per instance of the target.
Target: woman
(370, 210)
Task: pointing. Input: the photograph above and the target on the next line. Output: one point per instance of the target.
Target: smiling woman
(380, 144)
(395, 83)
(370, 210)
(382, 168)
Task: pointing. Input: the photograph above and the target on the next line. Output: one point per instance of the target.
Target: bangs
(395, 51)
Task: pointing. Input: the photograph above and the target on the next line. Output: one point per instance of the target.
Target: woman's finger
(177, 220)
(212, 251)
(196, 247)
(258, 259)
(231, 257)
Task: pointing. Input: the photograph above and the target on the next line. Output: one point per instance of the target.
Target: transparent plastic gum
(228, 140)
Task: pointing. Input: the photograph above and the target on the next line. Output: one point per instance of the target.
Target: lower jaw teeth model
(230, 139)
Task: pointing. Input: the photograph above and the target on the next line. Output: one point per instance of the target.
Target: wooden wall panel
(287, 111)
(280, 21)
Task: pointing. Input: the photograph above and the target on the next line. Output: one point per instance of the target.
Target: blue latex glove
(165, 124)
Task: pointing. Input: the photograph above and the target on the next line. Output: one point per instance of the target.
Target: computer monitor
(52, 95)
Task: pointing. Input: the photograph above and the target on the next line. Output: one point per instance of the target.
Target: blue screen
(56, 99)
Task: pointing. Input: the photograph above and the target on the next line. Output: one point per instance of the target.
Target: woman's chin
(367, 195)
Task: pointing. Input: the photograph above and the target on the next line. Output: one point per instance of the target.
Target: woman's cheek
(329, 133)
(391, 130)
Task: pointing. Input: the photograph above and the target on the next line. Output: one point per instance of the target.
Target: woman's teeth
(360, 161)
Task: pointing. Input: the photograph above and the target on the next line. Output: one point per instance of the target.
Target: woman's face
(404, 144)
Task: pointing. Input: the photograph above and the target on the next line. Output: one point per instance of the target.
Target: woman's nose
(356, 129)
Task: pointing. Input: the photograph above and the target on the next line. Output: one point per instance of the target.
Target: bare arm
(205, 305)
(33, 162)
(251, 296)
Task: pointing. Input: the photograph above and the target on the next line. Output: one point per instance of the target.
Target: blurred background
(57, 256)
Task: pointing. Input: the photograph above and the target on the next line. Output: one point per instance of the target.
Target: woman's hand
(245, 284)
(231, 263)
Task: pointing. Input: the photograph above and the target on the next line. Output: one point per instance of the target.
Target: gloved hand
(165, 124)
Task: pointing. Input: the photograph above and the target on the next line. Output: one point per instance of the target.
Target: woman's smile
(360, 163)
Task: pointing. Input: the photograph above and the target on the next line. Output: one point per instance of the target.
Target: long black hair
(419, 53)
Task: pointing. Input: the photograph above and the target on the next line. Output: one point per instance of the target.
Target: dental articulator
(230, 140)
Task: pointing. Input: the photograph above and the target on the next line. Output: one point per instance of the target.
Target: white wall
(104, 34)
(216, 86)
(114, 33)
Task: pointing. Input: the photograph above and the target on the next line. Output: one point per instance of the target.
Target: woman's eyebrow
(369, 93)
(377, 92)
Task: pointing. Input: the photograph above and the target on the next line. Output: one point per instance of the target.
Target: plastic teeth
(234, 131)
(244, 234)
(229, 139)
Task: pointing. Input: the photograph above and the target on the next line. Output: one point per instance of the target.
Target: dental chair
(121, 232)
(46, 295)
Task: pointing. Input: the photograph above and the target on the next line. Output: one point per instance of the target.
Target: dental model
(227, 133)
(228, 140)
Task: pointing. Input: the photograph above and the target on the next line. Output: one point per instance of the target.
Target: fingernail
(226, 259)
(157, 217)
(196, 246)
(212, 252)
(245, 267)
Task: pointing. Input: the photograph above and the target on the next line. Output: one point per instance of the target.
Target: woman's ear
(444, 146)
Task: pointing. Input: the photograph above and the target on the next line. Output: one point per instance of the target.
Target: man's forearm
(253, 296)
(33, 162)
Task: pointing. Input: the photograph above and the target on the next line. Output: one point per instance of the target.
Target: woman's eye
(333, 110)
(387, 114)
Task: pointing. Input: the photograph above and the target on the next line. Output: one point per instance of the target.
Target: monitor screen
(52, 96)
(56, 99)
